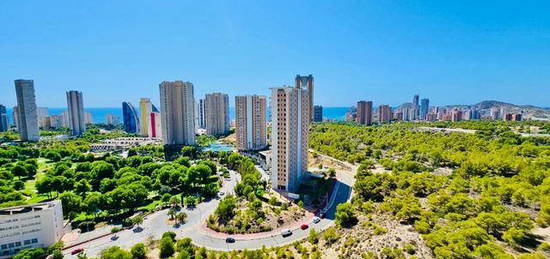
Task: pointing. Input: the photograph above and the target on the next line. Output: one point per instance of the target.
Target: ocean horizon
(99, 113)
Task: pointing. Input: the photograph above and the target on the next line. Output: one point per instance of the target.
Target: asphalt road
(157, 223)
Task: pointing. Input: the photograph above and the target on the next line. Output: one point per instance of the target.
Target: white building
(217, 113)
(27, 116)
(75, 106)
(111, 119)
(30, 226)
(250, 124)
(177, 107)
(290, 117)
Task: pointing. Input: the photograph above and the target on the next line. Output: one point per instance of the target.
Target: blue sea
(98, 114)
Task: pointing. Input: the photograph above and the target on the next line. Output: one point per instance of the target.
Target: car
(286, 232)
(304, 226)
(316, 220)
(77, 251)
(229, 240)
(322, 215)
(221, 193)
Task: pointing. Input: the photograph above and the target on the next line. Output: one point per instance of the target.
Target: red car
(77, 251)
(304, 226)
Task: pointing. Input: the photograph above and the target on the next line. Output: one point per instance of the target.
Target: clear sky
(454, 52)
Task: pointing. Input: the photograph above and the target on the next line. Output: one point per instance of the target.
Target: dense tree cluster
(468, 194)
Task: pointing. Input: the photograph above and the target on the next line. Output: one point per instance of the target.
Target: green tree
(166, 247)
(139, 251)
(345, 215)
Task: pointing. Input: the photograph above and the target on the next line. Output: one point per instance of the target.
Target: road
(157, 223)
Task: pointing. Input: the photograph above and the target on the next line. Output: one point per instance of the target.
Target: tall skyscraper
(307, 82)
(317, 113)
(15, 116)
(130, 118)
(26, 110)
(42, 113)
(145, 109)
(416, 107)
(75, 107)
(201, 114)
(384, 113)
(177, 107)
(4, 124)
(250, 124)
(217, 113)
(155, 125)
(364, 112)
(424, 106)
(111, 119)
(290, 117)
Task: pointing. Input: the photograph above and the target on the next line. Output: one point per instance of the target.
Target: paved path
(157, 223)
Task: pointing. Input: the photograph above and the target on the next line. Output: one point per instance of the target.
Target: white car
(286, 232)
(316, 220)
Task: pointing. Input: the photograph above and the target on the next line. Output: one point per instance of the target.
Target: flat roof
(28, 208)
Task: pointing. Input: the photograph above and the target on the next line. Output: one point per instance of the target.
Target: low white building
(30, 226)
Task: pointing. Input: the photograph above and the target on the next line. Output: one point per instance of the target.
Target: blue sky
(454, 52)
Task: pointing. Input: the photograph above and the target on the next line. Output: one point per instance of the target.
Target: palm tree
(181, 217)
(174, 201)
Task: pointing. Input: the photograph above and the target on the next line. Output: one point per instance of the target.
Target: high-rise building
(424, 106)
(15, 116)
(76, 112)
(145, 109)
(217, 113)
(130, 118)
(56, 121)
(250, 123)
(456, 115)
(364, 112)
(27, 116)
(111, 119)
(88, 118)
(516, 117)
(177, 107)
(42, 113)
(201, 113)
(4, 124)
(384, 113)
(495, 113)
(290, 117)
(155, 125)
(30, 226)
(317, 113)
(307, 82)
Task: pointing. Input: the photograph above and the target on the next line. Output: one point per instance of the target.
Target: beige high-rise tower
(145, 109)
(290, 117)
(217, 113)
(177, 107)
(251, 122)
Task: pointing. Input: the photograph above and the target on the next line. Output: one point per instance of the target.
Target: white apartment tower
(27, 117)
(290, 117)
(145, 109)
(217, 113)
(30, 226)
(251, 122)
(177, 107)
(77, 119)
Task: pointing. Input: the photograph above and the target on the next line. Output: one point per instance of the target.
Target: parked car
(286, 232)
(304, 226)
(77, 251)
(230, 240)
(221, 194)
(316, 220)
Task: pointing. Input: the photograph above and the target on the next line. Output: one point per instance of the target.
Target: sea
(98, 114)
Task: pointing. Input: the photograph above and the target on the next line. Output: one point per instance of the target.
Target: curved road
(157, 223)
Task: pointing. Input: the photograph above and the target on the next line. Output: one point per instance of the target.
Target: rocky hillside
(528, 111)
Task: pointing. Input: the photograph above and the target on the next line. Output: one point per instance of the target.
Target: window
(34, 240)
(18, 243)
(27, 242)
